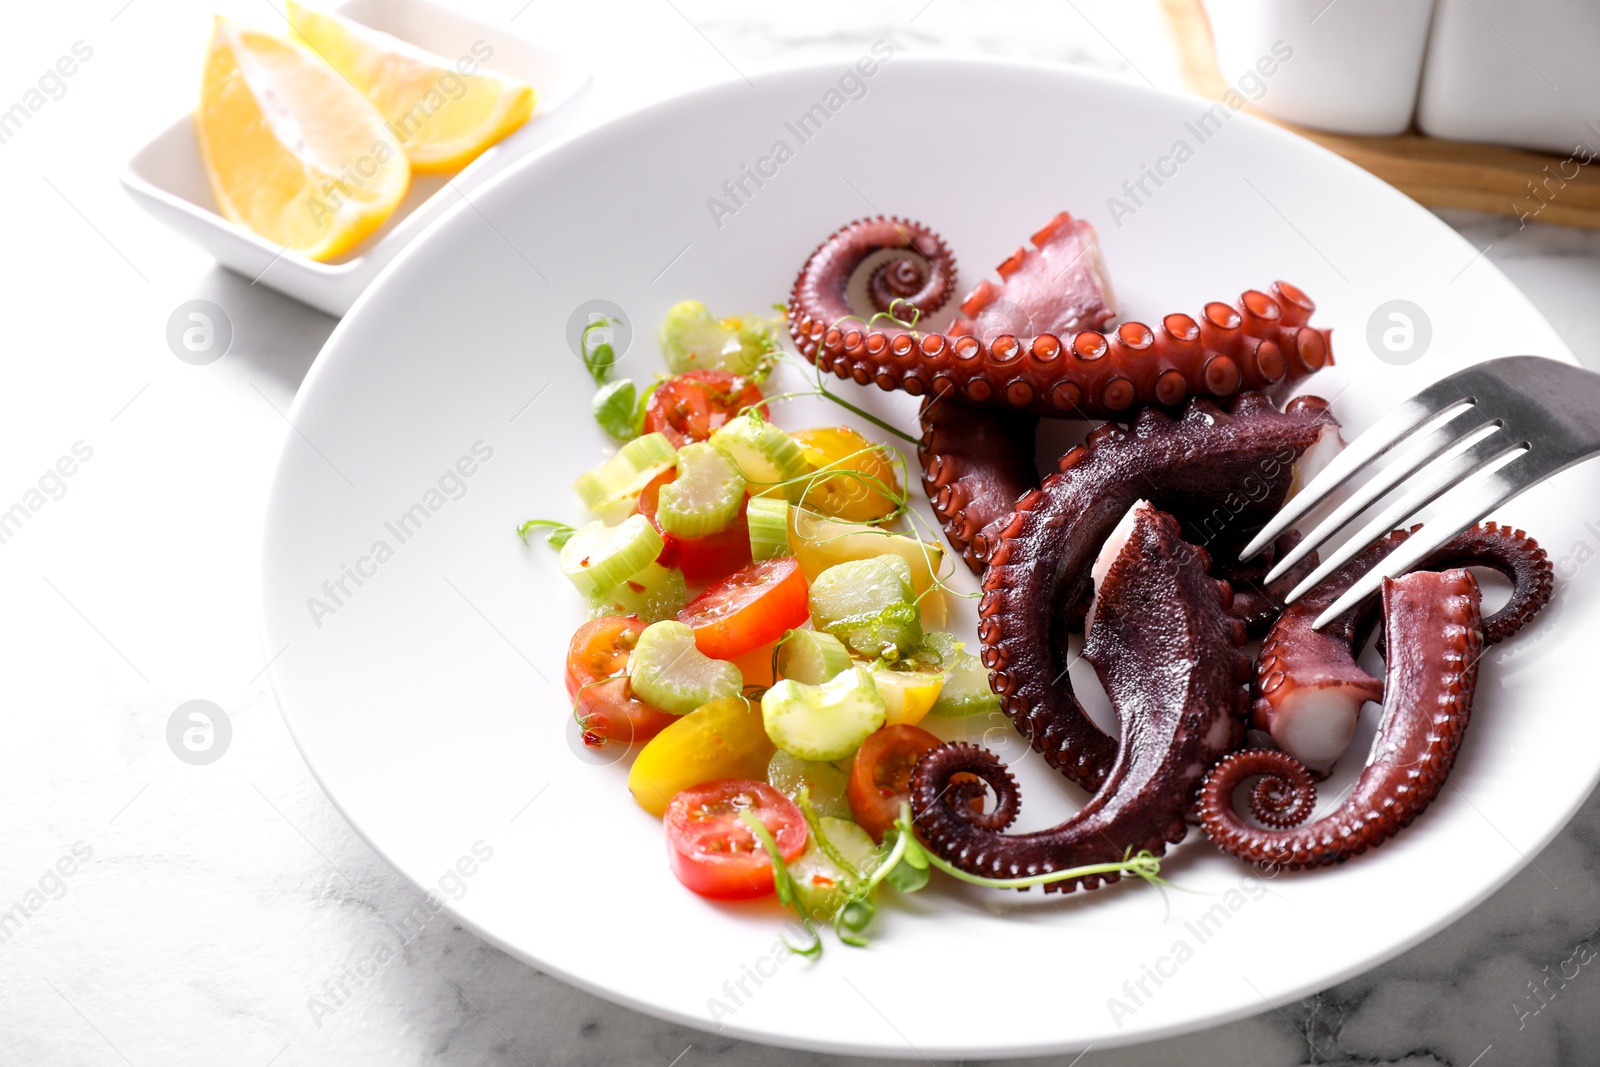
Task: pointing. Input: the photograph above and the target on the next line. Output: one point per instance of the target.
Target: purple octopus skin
(1255, 602)
(1435, 640)
(1039, 561)
(1175, 678)
(1260, 603)
(1308, 687)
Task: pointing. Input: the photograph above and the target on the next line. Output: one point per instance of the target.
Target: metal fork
(1491, 430)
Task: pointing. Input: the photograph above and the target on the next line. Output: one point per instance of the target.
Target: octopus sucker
(1436, 637)
(1309, 689)
(1039, 566)
(1177, 715)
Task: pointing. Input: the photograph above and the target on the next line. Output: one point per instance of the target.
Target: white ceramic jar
(1517, 72)
(1355, 64)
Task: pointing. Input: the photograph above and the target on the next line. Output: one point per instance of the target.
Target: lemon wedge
(444, 114)
(290, 148)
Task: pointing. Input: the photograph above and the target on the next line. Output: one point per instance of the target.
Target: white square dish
(166, 178)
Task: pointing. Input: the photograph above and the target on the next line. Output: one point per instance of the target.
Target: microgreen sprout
(560, 533)
(906, 324)
(776, 645)
(783, 882)
(906, 863)
(814, 824)
(822, 390)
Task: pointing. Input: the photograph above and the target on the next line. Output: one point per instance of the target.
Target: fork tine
(1422, 409)
(1500, 484)
(1458, 463)
(1438, 443)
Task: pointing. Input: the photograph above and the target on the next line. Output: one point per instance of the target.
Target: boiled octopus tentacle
(1174, 677)
(976, 462)
(1435, 637)
(1308, 687)
(1260, 342)
(1039, 565)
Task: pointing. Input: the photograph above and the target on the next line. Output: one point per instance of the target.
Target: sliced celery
(811, 656)
(823, 722)
(769, 527)
(668, 671)
(866, 603)
(705, 496)
(764, 454)
(600, 557)
(653, 594)
(824, 783)
(822, 885)
(692, 339)
(625, 473)
(966, 680)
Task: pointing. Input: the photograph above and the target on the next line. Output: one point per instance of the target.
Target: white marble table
(205, 906)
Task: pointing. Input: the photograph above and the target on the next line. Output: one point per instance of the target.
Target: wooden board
(1433, 172)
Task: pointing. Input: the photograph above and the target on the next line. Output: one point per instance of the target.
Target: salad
(767, 629)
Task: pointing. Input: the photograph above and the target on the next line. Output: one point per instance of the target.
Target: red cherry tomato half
(714, 852)
(702, 559)
(749, 609)
(691, 406)
(881, 777)
(597, 666)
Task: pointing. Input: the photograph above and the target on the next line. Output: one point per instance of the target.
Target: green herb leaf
(853, 918)
(906, 878)
(560, 533)
(916, 855)
(614, 409)
(602, 357)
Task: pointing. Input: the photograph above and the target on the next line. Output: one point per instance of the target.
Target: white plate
(165, 177)
(430, 705)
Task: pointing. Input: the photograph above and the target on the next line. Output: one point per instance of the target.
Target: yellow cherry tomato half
(819, 542)
(851, 496)
(908, 695)
(722, 739)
